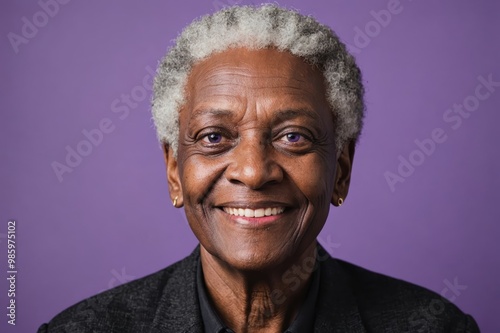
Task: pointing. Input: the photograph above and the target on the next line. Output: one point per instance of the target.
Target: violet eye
(214, 137)
(293, 137)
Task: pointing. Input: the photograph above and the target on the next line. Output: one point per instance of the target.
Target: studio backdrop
(83, 185)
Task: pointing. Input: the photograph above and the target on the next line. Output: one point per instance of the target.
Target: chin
(254, 257)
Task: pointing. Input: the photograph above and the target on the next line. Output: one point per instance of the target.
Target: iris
(293, 137)
(214, 137)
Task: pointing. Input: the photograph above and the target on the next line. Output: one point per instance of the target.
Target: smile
(260, 212)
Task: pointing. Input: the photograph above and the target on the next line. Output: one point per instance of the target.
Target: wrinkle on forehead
(252, 84)
(260, 71)
(220, 74)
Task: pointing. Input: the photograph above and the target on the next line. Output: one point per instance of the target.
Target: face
(257, 166)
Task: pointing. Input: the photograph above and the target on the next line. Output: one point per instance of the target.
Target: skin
(257, 131)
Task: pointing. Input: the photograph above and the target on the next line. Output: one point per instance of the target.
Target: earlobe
(343, 174)
(173, 179)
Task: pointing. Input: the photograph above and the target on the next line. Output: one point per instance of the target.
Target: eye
(213, 138)
(293, 137)
(294, 140)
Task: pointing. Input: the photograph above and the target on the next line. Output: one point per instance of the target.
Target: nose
(253, 164)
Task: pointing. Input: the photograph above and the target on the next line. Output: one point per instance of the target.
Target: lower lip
(253, 221)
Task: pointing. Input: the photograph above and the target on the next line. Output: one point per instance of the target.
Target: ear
(174, 184)
(343, 173)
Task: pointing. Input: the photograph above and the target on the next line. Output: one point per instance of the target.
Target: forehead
(266, 74)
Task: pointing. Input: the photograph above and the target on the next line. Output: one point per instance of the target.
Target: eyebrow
(211, 112)
(288, 114)
(280, 114)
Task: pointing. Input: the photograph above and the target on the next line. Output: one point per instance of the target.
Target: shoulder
(386, 302)
(130, 307)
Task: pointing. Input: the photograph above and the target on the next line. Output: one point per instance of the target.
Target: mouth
(259, 215)
(259, 212)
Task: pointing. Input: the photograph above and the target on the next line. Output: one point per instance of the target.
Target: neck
(266, 301)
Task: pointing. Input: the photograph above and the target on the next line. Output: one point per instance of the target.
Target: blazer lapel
(178, 309)
(336, 306)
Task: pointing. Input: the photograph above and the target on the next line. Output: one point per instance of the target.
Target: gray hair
(258, 27)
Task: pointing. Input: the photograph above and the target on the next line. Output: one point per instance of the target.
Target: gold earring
(340, 202)
(175, 201)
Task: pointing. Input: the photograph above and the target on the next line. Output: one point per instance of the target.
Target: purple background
(111, 219)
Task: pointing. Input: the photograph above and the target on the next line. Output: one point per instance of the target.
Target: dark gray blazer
(351, 299)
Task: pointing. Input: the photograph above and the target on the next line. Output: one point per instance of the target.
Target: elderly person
(258, 110)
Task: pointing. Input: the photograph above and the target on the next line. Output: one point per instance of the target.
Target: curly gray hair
(257, 27)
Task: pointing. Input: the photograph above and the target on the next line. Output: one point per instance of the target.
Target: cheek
(314, 176)
(198, 175)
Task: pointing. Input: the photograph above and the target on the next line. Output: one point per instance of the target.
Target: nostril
(253, 165)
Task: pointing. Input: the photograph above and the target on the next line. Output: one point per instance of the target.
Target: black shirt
(304, 322)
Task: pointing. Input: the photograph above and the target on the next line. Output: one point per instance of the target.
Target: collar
(211, 321)
(178, 308)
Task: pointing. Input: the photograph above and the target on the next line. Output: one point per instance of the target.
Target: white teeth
(249, 212)
(260, 212)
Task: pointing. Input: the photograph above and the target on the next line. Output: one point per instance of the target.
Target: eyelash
(207, 136)
(300, 134)
(203, 137)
